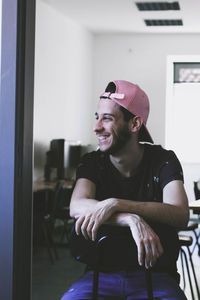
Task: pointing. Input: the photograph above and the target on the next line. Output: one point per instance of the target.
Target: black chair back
(196, 190)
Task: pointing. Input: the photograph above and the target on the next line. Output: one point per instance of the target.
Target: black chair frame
(148, 275)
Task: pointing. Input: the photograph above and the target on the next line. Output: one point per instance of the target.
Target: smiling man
(132, 183)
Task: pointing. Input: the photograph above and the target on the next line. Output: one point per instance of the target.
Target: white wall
(63, 81)
(70, 61)
(142, 59)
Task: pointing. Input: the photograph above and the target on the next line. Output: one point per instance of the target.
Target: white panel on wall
(182, 122)
(182, 114)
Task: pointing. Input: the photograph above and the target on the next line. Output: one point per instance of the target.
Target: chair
(193, 225)
(197, 221)
(148, 276)
(196, 190)
(186, 241)
(59, 211)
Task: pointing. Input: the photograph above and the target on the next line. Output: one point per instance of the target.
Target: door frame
(16, 150)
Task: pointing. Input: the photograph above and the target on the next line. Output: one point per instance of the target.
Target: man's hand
(89, 223)
(147, 241)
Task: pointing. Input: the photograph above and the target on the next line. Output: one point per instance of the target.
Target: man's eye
(107, 118)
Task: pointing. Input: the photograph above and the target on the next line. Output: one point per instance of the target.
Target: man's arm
(173, 211)
(82, 207)
(88, 212)
(82, 199)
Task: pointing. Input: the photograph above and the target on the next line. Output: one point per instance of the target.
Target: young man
(128, 182)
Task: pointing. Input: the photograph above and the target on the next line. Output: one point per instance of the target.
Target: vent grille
(158, 5)
(177, 22)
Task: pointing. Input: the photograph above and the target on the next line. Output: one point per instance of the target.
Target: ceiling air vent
(177, 22)
(158, 5)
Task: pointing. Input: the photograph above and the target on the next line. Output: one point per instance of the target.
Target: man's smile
(102, 137)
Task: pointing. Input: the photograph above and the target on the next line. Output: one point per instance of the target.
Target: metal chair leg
(188, 271)
(51, 232)
(95, 285)
(148, 276)
(183, 270)
(47, 243)
(193, 271)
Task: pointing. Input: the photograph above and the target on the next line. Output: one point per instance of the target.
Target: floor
(50, 281)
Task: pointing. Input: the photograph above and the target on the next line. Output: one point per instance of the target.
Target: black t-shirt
(158, 168)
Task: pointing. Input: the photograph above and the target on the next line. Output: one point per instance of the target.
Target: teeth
(101, 138)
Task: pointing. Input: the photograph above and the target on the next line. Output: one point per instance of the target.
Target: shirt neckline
(117, 173)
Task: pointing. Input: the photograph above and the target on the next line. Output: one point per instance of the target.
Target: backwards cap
(132, 98)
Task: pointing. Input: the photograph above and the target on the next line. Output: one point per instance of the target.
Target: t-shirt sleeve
(86, 168)
(171, 169)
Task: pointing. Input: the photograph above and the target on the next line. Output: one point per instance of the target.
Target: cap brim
(145, 135)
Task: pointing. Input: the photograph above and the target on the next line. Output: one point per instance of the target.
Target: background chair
(197, 220)
(196, 190)
(193, 225)
(57, 217)
(185, 242)
(60, 213)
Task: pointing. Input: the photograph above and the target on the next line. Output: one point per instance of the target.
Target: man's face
(111, 129)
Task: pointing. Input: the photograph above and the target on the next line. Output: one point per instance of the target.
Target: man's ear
(135, 124)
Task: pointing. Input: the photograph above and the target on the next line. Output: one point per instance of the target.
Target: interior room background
(73, 66)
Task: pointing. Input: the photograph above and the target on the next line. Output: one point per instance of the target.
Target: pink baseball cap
(134, 99)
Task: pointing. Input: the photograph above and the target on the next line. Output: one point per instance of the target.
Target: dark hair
(127, 114)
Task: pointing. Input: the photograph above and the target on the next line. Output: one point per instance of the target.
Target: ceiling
(102, 16)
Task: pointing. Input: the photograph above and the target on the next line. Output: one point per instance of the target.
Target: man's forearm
(150, 211)
(154, 211)
(81, 206)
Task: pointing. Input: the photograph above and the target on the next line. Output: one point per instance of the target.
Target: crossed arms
(91, 213)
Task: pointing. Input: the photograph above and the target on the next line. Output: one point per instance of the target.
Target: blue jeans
(125, 285)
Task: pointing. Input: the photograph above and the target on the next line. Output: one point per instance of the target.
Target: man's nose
(98, 126)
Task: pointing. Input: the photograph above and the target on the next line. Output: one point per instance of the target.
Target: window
(186, 72)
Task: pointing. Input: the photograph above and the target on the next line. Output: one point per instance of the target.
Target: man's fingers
(155, 254)
(160, 248)
(84, 228)
(78, 224)
(89, 223)
(148, 253)
(148, 243)
(93, 227)
(90, 227)
(94, 230)
(140, 247)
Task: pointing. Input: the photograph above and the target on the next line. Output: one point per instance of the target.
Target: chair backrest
(196, 190)
(99, 244)
(59, 197)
